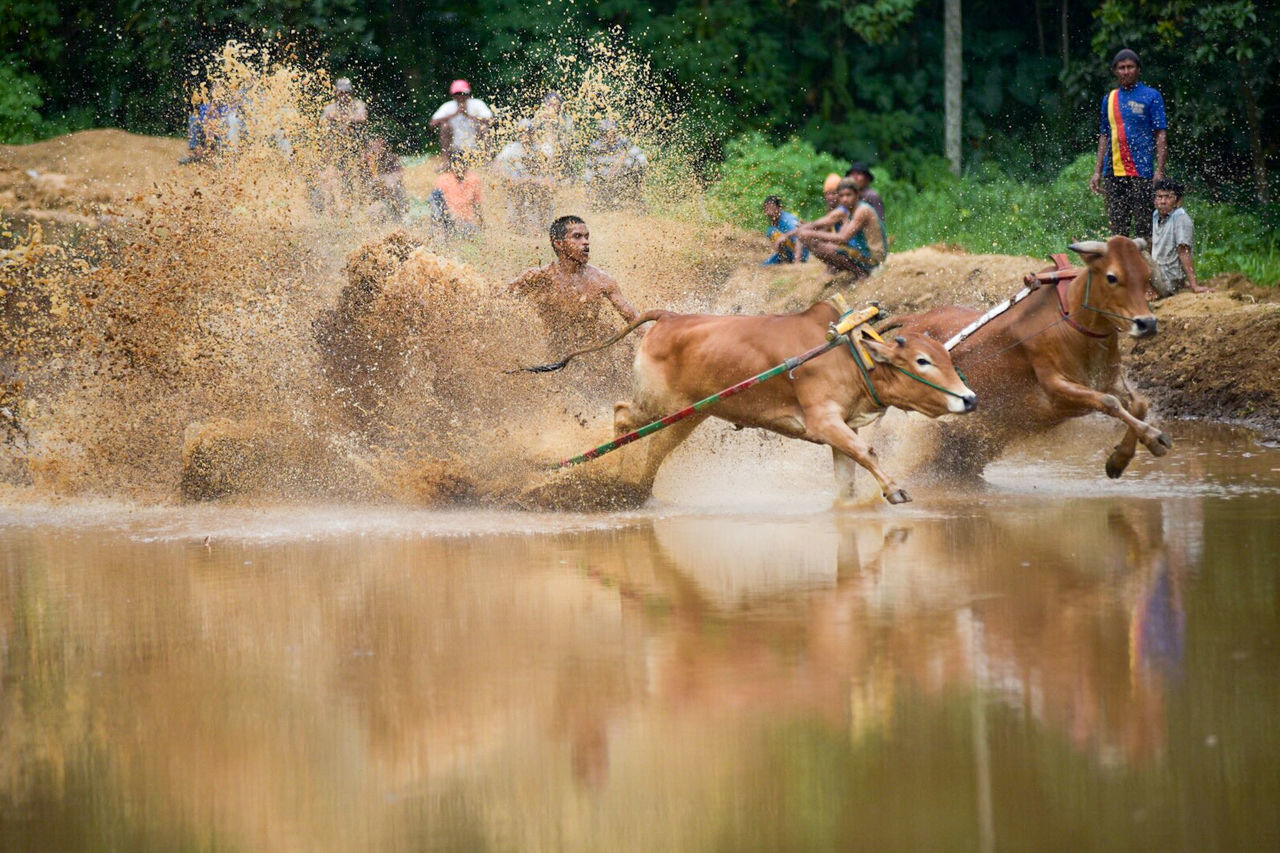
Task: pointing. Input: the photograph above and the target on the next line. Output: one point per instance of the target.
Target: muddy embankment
(193, 332)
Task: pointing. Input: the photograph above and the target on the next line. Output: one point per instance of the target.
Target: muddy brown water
(1053, 662)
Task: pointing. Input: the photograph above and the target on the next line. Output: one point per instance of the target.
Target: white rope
(986, 318)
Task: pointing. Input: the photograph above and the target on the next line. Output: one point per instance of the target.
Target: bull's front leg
(1058, 386)
(1138, 406)
(827, 427)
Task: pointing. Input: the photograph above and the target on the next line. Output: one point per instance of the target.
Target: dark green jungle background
(763, 80)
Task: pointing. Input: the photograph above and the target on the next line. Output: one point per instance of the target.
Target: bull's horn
(1141, 243)
(1089, 247)
(900, 341)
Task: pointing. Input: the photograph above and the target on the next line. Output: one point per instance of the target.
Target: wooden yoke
(1062, 270)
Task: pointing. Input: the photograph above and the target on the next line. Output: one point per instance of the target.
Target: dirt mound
(84, 172)
(1215, 358)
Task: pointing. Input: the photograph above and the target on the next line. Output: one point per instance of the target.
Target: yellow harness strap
(855, 323)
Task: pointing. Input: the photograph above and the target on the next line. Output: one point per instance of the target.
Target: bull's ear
(879, 352)
(1141, 243)
(1089, 249)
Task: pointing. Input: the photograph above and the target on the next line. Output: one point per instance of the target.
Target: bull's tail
(646, 317)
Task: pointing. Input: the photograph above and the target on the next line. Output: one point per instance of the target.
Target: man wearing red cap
(463, 120)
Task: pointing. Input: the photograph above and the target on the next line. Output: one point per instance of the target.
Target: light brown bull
(687, 357)
(1053, 356)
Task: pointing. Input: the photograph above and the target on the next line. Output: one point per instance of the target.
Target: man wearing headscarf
(1132, 148)
(829, 187)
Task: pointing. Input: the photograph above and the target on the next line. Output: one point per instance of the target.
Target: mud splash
(215, 336)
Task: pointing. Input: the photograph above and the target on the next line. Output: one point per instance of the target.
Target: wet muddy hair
(773, 199)
(848, 184)
(561, 226)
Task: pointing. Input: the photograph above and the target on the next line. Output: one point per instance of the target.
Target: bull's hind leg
(827, 427)
(1122, 455)
(653, 450)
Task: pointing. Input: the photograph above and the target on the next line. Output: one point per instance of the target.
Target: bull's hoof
(898, 496)
(1116, 463)
(1162, 444)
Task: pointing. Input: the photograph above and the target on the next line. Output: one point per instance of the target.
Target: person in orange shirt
(457, 198)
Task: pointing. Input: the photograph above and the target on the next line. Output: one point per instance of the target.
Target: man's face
(1166, 202)
(1126, 71)
(772, 212)
(460, 98)
(576, 244)
(860, 178)
(847, 198)
(832, 198)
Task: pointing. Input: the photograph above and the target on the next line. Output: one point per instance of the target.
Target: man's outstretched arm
(614, 294)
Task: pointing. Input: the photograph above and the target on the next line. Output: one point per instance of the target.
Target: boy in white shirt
(1173, 239)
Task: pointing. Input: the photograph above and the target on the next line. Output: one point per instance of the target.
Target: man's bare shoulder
(598, 276)
(532, 277)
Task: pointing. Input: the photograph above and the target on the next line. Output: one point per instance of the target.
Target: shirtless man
(568, 293)
(858, 245)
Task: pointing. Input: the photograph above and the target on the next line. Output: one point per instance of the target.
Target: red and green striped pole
(675, 417)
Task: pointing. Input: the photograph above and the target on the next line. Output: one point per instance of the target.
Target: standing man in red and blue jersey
(1132, 148)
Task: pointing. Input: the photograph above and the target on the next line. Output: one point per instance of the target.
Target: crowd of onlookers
(1142, 202)
(849, 237)
(546, 150)
(358, 167)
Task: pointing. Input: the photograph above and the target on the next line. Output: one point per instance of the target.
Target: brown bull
(1054, 356)
(687, 357)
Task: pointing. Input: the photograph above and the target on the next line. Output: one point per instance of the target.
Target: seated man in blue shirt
(781, 225)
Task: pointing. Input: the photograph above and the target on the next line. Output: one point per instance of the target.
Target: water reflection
(1011, 672)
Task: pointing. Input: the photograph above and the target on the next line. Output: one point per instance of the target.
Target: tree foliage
(856, 78)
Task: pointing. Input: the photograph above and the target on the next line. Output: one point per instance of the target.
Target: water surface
(1055, 662)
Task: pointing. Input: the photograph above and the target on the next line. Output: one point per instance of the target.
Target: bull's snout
(1144, 327)
(962, 403)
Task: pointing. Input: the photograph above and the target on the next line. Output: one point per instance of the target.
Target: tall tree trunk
(1040, 27)
(953, 64)
(1255, 143)
(1066, 38)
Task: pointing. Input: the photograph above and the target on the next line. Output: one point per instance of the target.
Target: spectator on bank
(781, 232)
(384, 180)
(345, 113)
(1132, 148)
(863, 177)
(556, 134)
(463, 120)
(526, 176)
(345, 120)
(829, 187)
(1173, 240)
(614, 168)
(211, 127)
(456, 200)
